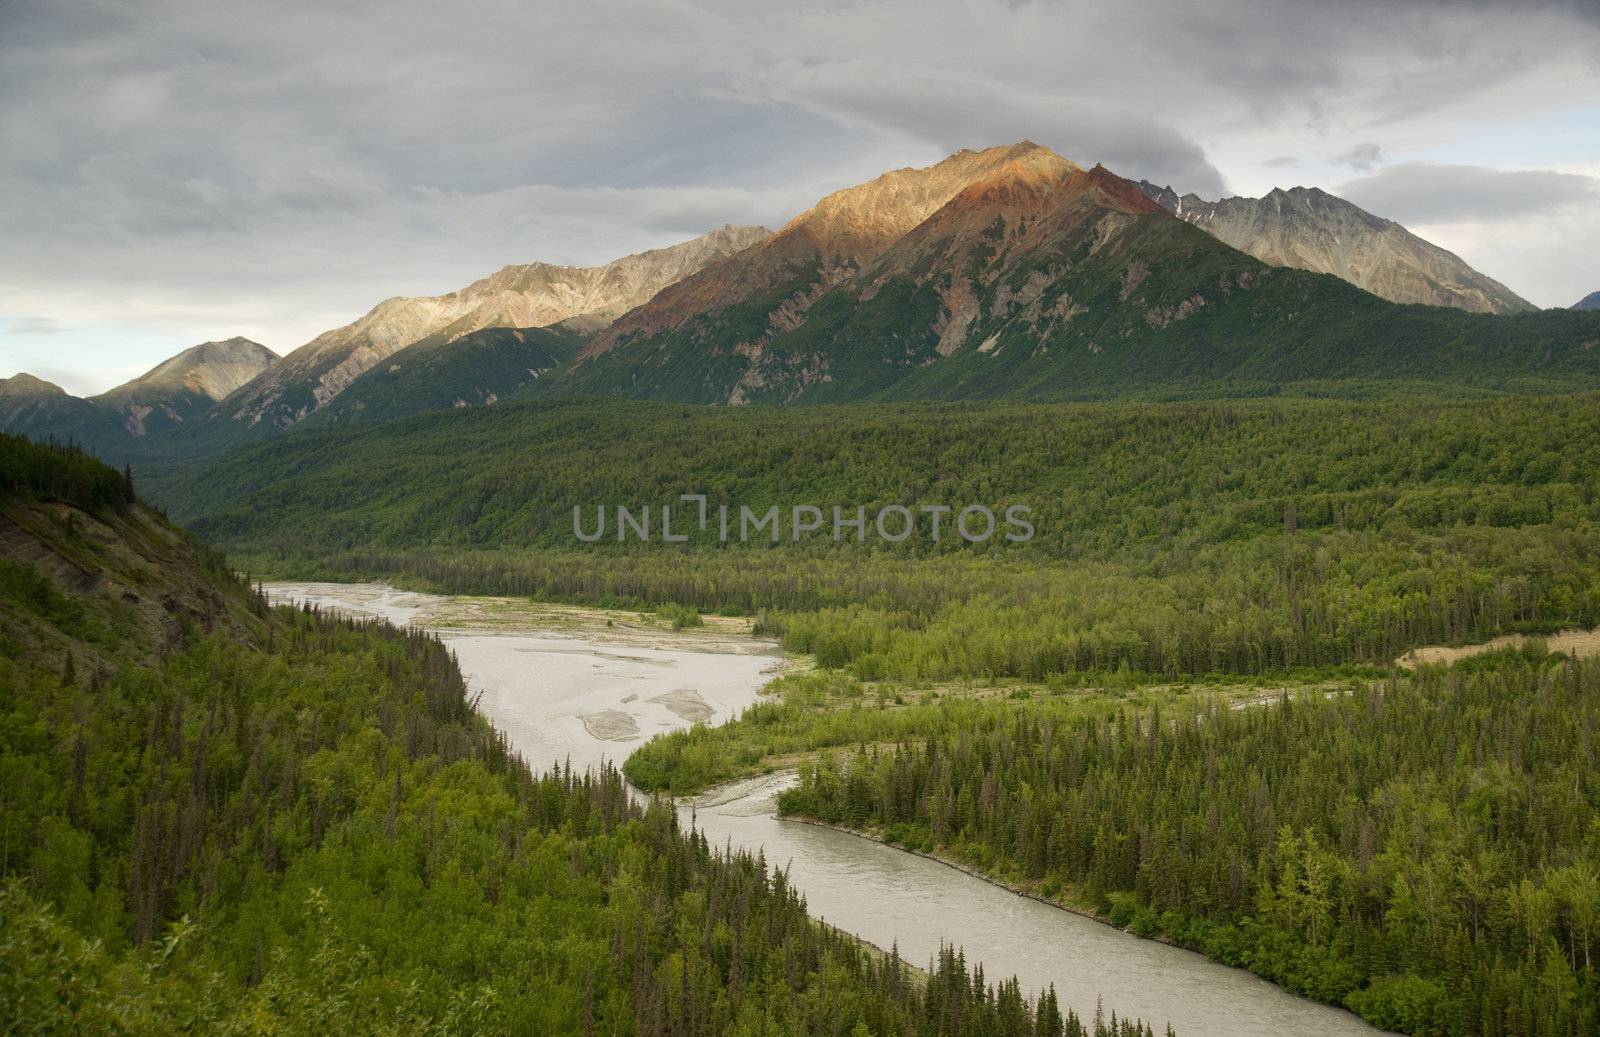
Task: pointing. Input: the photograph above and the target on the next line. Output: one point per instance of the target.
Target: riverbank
(536, 685)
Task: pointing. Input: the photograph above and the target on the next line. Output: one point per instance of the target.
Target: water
(560, 696)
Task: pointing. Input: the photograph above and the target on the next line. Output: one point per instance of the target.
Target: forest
(224, 818)
(1177, 708)
(1178, 539)
(1420, 849)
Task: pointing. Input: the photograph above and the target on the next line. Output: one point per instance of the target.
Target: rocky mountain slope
(1588, 302)
(1035, 278)
(92, 578)
(740, 302)
(531, 295)
(187, 385)
(1309, 229)
(479, 368)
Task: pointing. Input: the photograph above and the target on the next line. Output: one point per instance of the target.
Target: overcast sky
(173, 171)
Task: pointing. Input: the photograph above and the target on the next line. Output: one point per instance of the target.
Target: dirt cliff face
(1309, 229)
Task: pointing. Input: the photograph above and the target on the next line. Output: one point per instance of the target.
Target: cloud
(1363, 157)
(35, 326)
(951, 109)
(1427, 192)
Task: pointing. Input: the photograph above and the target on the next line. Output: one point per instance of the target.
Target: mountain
(39, 409)
(1035, 278)
(478, 368)
(112, 424)
(531, 295)
(1309, 229)
(1588, 302)
(735, 305)
(187, 385)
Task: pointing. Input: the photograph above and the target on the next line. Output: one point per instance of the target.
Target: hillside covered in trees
(1181, 538)
(225, 818)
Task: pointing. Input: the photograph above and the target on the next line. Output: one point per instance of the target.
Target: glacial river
(590, 692)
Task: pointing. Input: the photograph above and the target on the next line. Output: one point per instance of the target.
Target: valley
(808, 520)
(536, 674)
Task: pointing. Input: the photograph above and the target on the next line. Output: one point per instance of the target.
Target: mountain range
(1009, 271)
(177, 390)
(531, 295)
(1588, 302)
(1013, 272)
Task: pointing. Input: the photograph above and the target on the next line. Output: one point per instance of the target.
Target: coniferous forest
(1424, 850)
(1072, 715)
(225, 818)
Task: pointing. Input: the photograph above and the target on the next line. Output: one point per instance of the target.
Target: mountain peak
(1031, 172)
(1588, 302)
(856, 223)
(833, 239)
(1117, 192)
(25, 384)
(1308, 228)
(210, 370)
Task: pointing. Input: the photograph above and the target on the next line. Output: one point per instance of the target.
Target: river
(571, 687)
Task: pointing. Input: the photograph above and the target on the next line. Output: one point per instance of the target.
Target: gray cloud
(35, 326)
(953, 109)
(1426, 192)
(1364, 157)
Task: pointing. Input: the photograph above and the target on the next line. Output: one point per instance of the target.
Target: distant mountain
(25, 387)
(1309, 229)
(185, 386)
(1588, 302)
(479, 368)
(532, 295)
(41, 410)
(175, 391)
(1035, 278)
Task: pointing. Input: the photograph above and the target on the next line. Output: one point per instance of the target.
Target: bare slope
(185, 386)
(531, 295)
(1309, 229)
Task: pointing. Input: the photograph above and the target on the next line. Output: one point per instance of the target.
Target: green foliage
(1422, 850)
(681, 617)
(56, 472)
(301, 825)
(1174, 540)
(363, 852)
(1098, 478)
